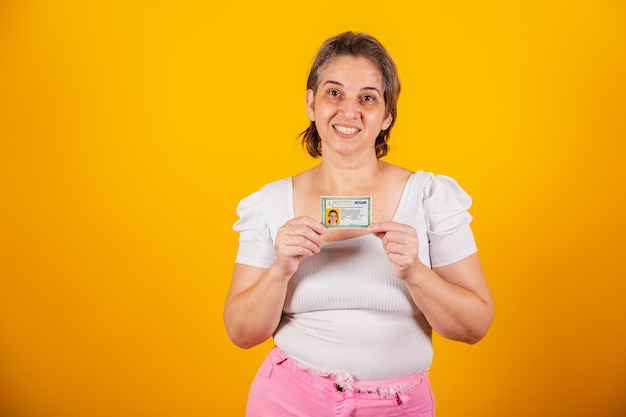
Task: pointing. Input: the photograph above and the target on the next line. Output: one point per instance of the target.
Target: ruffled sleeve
(256, 247)
(446, 207)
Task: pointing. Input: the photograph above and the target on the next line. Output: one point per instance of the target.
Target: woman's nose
(349, 109)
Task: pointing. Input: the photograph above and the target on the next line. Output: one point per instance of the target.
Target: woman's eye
(333, 93)
(367, 98)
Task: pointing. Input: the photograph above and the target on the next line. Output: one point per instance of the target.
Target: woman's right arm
(256, 297)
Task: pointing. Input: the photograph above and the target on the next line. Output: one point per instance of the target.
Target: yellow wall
(129, 130)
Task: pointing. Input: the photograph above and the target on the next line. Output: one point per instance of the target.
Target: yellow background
(129, 130)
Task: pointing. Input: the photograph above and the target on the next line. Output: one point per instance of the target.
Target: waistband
(343, 382)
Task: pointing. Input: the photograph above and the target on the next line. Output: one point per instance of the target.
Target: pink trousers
(283, 389)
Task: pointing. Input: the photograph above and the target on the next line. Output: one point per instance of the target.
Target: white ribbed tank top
(345, 311)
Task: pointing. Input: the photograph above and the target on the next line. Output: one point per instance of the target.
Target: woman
(332, 217)
(351, 311)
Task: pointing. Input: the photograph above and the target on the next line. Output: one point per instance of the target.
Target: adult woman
(351, 310)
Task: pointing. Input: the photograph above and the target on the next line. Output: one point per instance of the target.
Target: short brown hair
(356, 45)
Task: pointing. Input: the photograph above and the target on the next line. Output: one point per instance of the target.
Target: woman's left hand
(401, 245)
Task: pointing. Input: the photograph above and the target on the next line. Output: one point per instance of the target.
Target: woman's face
(349, 106)
(332, 217)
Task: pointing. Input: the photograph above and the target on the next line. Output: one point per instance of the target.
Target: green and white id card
(346, 212)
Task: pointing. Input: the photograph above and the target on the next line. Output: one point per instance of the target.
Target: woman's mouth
(346, 130)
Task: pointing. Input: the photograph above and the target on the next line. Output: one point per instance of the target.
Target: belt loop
(401, 398)
(278, 356)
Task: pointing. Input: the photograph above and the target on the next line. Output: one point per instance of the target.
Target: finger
(394, 248)
(299, 236)
(403, 238)
(399, 242)
(308, 222)
(305, 232)
(385, 227)
(310, 240)
(400, 262)
(295, 251)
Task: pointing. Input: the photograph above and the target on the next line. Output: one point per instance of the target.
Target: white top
(345, 311)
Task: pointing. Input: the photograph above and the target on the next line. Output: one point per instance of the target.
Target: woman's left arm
(455, 299)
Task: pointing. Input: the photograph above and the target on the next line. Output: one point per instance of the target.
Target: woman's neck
(347, 178)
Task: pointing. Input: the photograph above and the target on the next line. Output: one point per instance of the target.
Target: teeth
(347, 130)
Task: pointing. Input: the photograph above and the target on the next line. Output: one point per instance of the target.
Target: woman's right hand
(295, 240)
(254, 304)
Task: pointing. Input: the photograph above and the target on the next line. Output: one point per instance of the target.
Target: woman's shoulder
(275, 184)
(433, 179)
(436, 186)
(306, 175)
(397, 170)
(265, 192)
(269, 200)
(393, 174)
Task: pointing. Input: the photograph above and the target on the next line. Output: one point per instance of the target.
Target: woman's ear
(310, 105)
(387, 121)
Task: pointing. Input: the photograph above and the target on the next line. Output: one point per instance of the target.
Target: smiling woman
(125, 130)
(376, 59)
(351, 311)
(349, 104)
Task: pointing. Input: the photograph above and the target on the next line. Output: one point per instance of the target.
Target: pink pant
(282, 389)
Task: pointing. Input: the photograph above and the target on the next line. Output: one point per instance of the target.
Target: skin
(349, 112)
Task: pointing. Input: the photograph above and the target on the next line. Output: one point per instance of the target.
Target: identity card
(346, 212)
